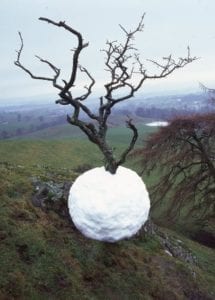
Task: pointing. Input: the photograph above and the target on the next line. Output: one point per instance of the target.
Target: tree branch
(122, 62)
(20, 65)
(89, 87)
(171, 65)
(124, 155)
(76, 54)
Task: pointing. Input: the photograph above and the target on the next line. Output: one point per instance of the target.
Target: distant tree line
(167, 113)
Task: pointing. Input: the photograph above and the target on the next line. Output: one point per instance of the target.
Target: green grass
(44, 256)
(68, 151)
(122, 135)
(184, 219)
(59, 154)
(116, 135)
(57, 132)
(75, 152)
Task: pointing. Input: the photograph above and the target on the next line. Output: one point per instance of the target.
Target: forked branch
(127, 75)
(20, 65)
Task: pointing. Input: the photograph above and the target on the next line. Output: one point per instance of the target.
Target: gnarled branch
(122, 62)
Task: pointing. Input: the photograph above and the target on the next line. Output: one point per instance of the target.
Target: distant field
(57, 132)
(60, 146)
(49, 123)
(118, 134)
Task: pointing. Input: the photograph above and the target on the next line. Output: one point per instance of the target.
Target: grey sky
(170, 25)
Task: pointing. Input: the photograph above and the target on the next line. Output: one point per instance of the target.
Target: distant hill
(47, 120)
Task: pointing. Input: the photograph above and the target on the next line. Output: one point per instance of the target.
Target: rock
(149, 227)
(167, 252)
(41, 195)
(51, 196)
(176, 248)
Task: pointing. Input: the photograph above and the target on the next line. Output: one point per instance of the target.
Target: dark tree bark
(122, 62)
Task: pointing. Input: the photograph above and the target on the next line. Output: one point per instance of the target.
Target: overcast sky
(170, 26)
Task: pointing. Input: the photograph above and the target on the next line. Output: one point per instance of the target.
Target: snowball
(109, 207)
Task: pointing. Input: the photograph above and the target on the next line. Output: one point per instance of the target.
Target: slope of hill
(117, 133)
(44, 256)
(59, 154)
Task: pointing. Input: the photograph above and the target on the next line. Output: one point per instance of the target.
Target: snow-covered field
(109, 207)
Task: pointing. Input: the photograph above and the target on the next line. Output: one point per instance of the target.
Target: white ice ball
(109, 207)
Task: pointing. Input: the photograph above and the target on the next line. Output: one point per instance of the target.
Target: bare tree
(183, 156)
(123, 64)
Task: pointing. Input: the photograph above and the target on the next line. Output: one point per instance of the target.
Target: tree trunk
(110, 162)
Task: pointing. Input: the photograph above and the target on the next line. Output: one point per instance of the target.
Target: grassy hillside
(58, 154)
(64, 146)
(119, 134)
(79, 153)
(43, 256)
(58, 132)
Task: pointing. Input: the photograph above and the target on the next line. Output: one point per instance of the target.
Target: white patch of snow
(168, 252)
(158, 123)
(109, 207)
